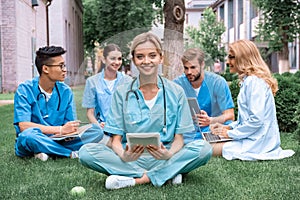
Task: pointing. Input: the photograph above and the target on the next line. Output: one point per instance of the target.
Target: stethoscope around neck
(137, 98)
(43, 95)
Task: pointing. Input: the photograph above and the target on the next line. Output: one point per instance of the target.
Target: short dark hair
(44, 55)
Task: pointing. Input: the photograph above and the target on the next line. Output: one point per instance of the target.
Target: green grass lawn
(219, 179)
(7, 96)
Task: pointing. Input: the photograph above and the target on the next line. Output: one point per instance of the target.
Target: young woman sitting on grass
(149, 103)
(255, 134)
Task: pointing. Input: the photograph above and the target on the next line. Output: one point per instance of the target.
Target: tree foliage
(280, 22)
(89, 24)
(106, 21)
(208, 35)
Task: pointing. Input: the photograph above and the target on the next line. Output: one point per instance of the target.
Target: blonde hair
(248, 61)
(145, 37)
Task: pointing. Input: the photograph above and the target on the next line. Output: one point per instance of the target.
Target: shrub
(228, 76)
(235, 89)
(296, 120)
(297, 75)
(286, 100)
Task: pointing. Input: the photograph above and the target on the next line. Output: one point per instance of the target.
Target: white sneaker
(74, 154)
(41, 156)
(177, 179)
(117, 182)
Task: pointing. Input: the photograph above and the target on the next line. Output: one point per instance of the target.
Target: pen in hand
(82, 122)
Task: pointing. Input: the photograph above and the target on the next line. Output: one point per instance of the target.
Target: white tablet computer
(194, 106)
(144, 139)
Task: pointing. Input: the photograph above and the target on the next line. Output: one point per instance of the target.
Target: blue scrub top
(30, 105)
(134, 116)
(97, 94)
(214, 96)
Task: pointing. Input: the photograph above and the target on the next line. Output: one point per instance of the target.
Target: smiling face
(231, 62)
(113, 60)
(147, 58)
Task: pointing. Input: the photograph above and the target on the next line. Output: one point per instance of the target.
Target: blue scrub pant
(104, 160)
(32, 141)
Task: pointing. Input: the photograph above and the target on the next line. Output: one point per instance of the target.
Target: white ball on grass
(78, 191)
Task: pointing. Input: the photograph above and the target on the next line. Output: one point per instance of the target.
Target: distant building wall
(30, 34)
(20, 24)
(240, 19)
(23, 29)
(66, 28)
(193, 16)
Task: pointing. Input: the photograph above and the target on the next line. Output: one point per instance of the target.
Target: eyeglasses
(231, 57)
(62, 66)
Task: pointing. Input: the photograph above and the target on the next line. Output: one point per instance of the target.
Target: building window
(253, 11)
(187, 18)
(222, 12)
(230, 14)
(292, 55)
(240, 12)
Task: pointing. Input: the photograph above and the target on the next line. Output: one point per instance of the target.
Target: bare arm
(205, 120)
(219, 129)
(163, 153)
(117, 145)
(127, 154)
(90, 114)
(226, 115)
(177, 144)
(69, 127)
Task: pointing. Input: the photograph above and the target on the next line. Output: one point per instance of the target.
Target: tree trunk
(283, 55)
(174, 12)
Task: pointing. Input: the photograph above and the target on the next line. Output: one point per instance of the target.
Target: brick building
(26, 25)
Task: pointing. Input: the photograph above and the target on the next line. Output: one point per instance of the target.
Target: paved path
(5, 102)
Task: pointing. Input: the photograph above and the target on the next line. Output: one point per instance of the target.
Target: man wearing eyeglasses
(44, 107)
(211, 91)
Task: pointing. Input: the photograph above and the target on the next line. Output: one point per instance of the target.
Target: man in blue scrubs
(211, 91)
(43, 107)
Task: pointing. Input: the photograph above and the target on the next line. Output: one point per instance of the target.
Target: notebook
(143, 139)
(211, 138)
(76, 134)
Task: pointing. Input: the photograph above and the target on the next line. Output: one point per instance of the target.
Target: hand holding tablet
(144, 139)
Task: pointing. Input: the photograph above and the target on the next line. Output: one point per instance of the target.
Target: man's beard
(196, 77)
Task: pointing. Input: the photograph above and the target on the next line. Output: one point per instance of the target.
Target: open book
(75, 134)
(143, 139)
